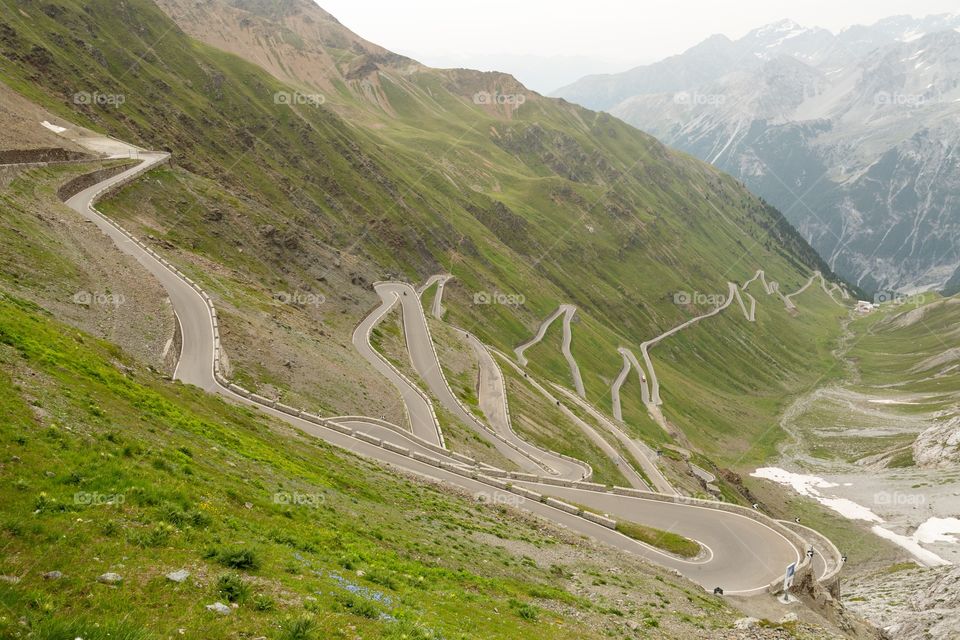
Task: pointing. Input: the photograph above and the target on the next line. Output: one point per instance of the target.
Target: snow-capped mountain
(854, 136)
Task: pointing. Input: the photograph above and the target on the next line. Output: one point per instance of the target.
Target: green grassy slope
(557, 203)
(911, 346)
(106, 467)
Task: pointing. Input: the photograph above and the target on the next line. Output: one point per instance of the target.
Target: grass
(723, 381)
(198, 484)
(902, 460)
(900, 566)
(897, 380)
(459, 364)
(666, 540)
(427, 299)
(388, 340)
(889, 349)
(29, 259)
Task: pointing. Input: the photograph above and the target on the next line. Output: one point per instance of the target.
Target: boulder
(745, 623)
(219, 608)
(178, 576)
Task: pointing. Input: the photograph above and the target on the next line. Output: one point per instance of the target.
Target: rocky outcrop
(22, 156)
(934, 610)
(938, 446)
(910, 604)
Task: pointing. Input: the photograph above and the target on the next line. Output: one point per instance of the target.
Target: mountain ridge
(844, 139)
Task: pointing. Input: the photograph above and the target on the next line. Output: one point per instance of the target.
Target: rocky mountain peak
(843, 132)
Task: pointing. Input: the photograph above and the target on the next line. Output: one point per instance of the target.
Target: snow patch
(938, 530)
(850, 509)
(807, 485)
(910, 36)
(801, 483)
(928, 558)
(53, 127)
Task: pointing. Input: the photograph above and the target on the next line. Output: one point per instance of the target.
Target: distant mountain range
(853, 135)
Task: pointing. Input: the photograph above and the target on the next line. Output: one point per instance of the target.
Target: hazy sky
(596, 35)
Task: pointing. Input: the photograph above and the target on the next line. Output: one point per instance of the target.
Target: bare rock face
(910, 603)
(934, 611)
(938, 446)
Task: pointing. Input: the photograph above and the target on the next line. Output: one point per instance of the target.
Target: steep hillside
(296, 41)
(272, 200)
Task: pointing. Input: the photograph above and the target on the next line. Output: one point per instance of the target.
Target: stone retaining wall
(87, 180)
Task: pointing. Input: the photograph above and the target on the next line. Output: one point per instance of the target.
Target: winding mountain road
(568, 311)
(745, 552)
(436, 309)
(729, 539)
(492, 394)
(768, 288)
(751, 314)
(788, 299)
(734, 293)
(629, 362)
(424, 359)
(419, 410)
(598, 440)
(637, 450)
(645, 346)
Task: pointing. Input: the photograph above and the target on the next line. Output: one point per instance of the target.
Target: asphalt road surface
(568, 311)
(419, 411)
